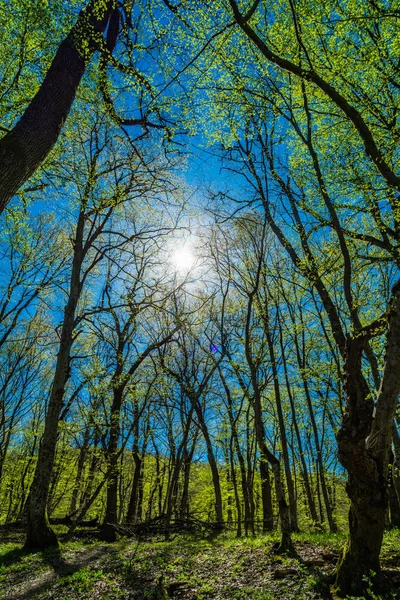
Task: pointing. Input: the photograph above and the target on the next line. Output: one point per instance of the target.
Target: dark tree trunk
(133, 507)
(235, 490)
(39, 533)
(324, 488)
(318, 493)
(394, 497)
(266, 497)
(301, 361)
(365, 487)
(108, 533)
(187, 464)
(265, 454)
(24, 148)
(120, 380)
(213, 465)
(171, 496)
(79, 471)
(368, 501)
(364, 444)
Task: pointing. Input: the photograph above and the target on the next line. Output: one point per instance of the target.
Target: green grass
(225, 567)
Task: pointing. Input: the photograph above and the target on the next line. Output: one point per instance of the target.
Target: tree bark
(235, 490)
(108, 533)
(266, 497)
(79, 471)
(213, 464)
(364, 444)
(395, 481)
(39, 533)
(24, 148)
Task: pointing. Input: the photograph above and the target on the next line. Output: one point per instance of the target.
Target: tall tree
(111, 179)
(26, 145)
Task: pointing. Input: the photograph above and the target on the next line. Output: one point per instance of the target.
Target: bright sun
(183, 259)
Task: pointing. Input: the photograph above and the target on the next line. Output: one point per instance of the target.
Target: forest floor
(184, 568)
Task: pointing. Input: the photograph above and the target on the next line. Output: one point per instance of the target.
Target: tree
(122, 344)
(26, 145)
(193, 370)
(365, 437)
(248, 276)
(111, 178)
(300, 62)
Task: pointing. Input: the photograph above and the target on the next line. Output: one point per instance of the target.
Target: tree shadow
(59, 567)
(13, 556)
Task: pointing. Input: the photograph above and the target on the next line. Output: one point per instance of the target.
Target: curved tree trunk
(24, 148)
(364, 443)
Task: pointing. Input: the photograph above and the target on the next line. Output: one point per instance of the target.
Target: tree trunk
(304, 470)
(170, 501)
(364, 444)
(395, 481)
(132, 513)
(248, 513)
(24, 148)
(266, 496)
(108, 533)
(301, 361)
(267, 456)
(368, 501)
(187, 464)
(79, 471)
(39, 534)
(282, 430)
(235, 489)
(213, 465)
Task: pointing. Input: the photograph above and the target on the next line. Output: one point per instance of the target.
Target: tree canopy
(200, 307)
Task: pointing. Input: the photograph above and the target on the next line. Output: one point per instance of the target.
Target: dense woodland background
(199, 298)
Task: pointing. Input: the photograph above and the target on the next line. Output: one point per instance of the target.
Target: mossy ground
(184, 568)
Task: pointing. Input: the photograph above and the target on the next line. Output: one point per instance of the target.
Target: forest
(199, 299)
